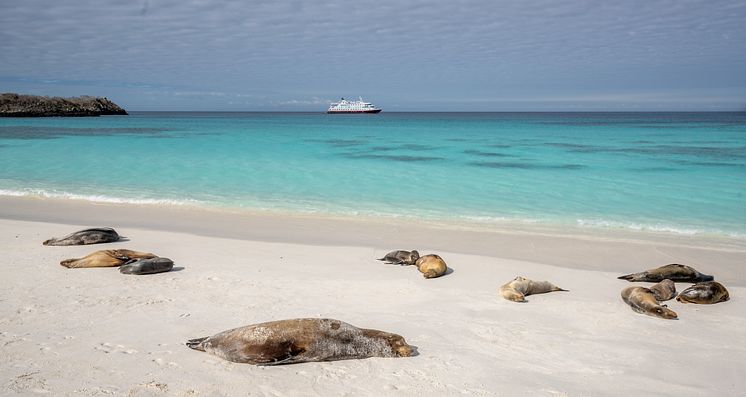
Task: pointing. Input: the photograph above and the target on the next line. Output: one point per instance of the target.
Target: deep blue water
(671, 172)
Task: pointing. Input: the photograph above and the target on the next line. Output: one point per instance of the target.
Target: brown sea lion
(301, 340)
(106, 258)
(705, 293)
(401, 257)
(674, 272)
(431, 266)
(663, 291)
(517, 289)
(94, 235)
(147, 266)
(642, 300)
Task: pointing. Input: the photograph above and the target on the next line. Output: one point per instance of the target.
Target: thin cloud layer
(402, 55)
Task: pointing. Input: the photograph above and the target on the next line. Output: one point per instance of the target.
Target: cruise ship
(345, 106)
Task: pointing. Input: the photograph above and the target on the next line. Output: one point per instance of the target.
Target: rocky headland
(15, 105)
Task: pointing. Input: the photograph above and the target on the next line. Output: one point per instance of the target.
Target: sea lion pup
(674, 272)
(642, 300)
(401, 257)
(705, 293)
(301, 340)
(106, 258)
(520, 287)
(94, 235)
(147, 266)
(663, 291)
(431, 266)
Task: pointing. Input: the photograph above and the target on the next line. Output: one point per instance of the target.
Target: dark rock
(14, 105)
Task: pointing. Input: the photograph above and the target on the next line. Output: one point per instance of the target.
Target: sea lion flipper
(196, 344)
(629, 277)
(284, 352)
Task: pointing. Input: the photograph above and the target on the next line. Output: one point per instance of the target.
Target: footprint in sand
(110, 348)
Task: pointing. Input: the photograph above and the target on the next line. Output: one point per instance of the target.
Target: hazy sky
(401, 55)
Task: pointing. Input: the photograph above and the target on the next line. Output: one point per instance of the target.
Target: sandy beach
(94, 332)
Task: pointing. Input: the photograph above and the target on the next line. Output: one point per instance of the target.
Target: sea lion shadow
(176, 269)
(415, 351)
(122, 239)
(448, 271)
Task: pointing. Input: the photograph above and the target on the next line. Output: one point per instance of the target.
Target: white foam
(654, 228)
(41, 193)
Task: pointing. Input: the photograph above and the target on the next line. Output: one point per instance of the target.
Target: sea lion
(642, 300)
(431, 266)
(517, 289)
(705, 293)
(401, 257)
(147, 266)
(94, 235)
(301, 340)
(674, 272)
(663, 291)
(106, 258)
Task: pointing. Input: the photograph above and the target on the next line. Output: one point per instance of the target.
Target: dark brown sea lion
(401, 257)
(106, 258)
(674, 272)
(431, 266)
(642, 300)
(301, 340)
(147, 266)
(663, 291)
(517, 289)
(705, 293)
(94, 235)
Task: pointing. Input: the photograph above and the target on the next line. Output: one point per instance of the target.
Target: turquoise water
(671, 172)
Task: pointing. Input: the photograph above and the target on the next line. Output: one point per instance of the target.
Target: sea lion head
(399, 346)
(665, 312)
(413, 256)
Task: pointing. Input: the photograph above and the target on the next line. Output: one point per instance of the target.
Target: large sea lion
(106, 258)
(642, 300)
(94, 235)
(401, 257)
(301, 340)
(147, 266)
(431, 266)
(517, 289)
(705, 293)
(663, 291)
(674, 272)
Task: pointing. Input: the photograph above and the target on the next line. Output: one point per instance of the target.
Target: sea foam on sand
(97, 332)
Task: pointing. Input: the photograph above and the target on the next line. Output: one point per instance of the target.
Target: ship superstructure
(345, 106)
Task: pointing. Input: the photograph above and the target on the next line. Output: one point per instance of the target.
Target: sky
(455, 55)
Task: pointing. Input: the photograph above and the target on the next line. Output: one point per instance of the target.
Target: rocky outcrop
(14, 105)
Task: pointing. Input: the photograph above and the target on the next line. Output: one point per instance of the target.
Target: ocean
(678, 173)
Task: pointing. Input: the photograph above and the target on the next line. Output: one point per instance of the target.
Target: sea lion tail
(196, 344)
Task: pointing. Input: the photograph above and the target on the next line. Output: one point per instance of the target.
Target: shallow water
(681, 173)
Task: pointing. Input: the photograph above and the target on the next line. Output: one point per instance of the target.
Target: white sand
(98, 332)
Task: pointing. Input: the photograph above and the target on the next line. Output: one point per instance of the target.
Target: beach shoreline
(127, 333)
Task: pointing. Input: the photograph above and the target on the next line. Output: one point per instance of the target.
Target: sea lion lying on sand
(147, 266)
(705, 293)
(401, 257)
(674, 272)
(642, 300)
(431, 266)
(106, 258)
(94, 235)
(301, 340)
(663, 291)
(517, 289)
